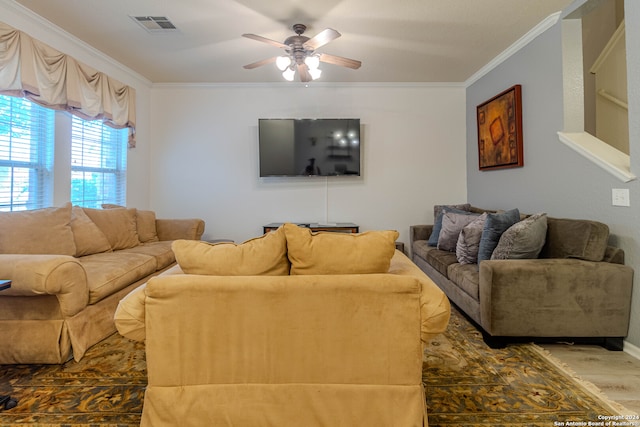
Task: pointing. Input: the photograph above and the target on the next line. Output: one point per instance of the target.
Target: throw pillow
(469, 241)
(523, 240)
(38, 231)
(339, 253)
(262, 256)
(452, 225)
(494, 226)
(438, 210)
(119, 225)
(88, 237)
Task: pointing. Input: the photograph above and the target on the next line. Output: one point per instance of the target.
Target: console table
(341, 227)
(6, 401)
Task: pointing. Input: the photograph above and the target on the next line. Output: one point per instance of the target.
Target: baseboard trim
(631, 350)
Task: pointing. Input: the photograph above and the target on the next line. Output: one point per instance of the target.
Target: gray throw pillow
(469, 241)
(438, 210)
(494, 226)
(523, 240)
(452, 225)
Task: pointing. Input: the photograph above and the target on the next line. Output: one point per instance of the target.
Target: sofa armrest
(555, 298)
(59, 275)
(174, 229)
(419, 232)
(129, 315)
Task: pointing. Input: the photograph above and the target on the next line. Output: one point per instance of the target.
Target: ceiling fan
(301, 54)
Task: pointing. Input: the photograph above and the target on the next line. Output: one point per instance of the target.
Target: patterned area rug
(467, 384)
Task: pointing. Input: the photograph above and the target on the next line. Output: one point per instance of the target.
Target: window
(98, 164)
(26, 154)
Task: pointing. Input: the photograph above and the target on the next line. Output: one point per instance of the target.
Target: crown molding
(543, 26)
(311, 85)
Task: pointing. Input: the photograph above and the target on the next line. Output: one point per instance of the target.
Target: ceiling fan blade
(339, 60)
(303, 70)
(260, 63)
(320, 39)
(265, 40)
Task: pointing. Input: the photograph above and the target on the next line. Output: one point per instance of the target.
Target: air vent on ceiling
(155, 24)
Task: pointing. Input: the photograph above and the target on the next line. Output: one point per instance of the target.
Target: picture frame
(500, 131)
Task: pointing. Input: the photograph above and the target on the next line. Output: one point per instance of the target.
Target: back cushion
(575, 238)
(40, 231)
(119, 225)
(88, 237)
(339, 253)
(265, 255)
(145, 223)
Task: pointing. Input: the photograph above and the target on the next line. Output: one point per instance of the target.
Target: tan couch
(69, 267)
(293, 329)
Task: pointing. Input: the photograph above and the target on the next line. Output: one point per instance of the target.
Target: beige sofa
(290, 329)
(572, 285)
(69, 268)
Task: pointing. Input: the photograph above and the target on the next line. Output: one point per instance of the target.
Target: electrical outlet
(620, 197)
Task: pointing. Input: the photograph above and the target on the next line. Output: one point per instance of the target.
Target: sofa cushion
(441, 260)
(88, 237)
(469, 241)
(339, 253)
(438, 210)
(575, 238)
(265, 255)
(39, 231)
(494, 226)
(523, 240)
(161, 251)
(119, 225)
(110, 272)
(145, 223)
(452, 225)
(466, 277)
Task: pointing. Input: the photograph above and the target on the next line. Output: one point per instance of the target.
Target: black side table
(6, 401)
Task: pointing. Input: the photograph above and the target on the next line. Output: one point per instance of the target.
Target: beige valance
(31, 69)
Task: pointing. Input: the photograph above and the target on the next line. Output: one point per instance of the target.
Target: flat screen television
(309, 147)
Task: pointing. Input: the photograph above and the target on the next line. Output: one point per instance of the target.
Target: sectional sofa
(69, 267)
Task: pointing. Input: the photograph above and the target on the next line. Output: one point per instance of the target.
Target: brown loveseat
(69, 267)
(289, 329)
(568, 283)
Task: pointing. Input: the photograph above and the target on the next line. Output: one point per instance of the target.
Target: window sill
(602, 154)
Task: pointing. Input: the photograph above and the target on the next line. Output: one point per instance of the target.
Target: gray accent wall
(555, 179)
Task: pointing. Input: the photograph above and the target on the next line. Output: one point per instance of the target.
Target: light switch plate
(620, 197)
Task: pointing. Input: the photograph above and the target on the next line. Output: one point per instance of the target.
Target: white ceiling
(396, 40)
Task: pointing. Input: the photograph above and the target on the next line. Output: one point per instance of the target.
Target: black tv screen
(309, 147)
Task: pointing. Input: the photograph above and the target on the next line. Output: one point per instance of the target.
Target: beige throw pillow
(119, 225)
(39, 231)
(265, 256)
(523, 240)
(339, 253)
(88, 237)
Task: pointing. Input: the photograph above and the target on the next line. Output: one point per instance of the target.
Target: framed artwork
(500, 131)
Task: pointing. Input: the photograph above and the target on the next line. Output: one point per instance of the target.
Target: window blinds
(98, 164)
(26, 154)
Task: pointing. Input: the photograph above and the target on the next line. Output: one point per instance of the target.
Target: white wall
(205, 155)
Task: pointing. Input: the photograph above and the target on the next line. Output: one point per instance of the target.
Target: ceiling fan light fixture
(315, 73)
(289, 74)
(312, 61)
(282, 62)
